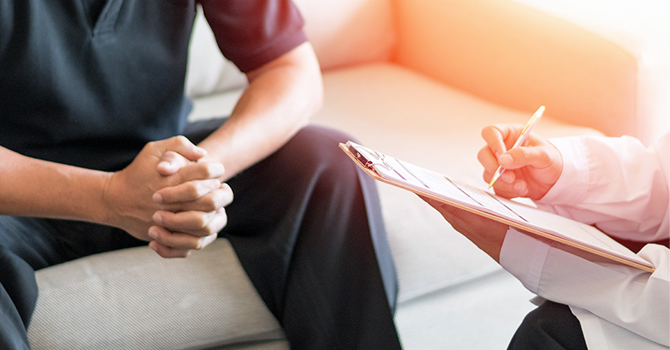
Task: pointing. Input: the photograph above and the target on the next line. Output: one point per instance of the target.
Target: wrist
(108, 211)
(572, 182)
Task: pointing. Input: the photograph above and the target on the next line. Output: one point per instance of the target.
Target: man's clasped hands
(171, 195)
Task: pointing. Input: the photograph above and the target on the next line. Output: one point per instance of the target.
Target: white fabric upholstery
(348, 32)
(208, 70)
(133, 299)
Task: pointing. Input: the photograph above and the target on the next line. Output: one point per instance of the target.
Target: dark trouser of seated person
(91, 106)
(550, 326)
(305, 224)
(312, 239)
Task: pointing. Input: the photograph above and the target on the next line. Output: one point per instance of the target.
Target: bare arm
(124, 199)
(281, 97)
(32, 187)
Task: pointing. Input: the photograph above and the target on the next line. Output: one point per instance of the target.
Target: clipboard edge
(502, 220)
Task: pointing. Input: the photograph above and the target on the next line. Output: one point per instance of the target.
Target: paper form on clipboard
(479, 201)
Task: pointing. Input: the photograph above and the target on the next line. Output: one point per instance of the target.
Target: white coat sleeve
(622, 188)
(616, 184)
(628, 297)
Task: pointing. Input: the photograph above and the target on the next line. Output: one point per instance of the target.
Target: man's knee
(316, 149)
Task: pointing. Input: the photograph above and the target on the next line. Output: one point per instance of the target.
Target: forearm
(279, 101)
(32, 187)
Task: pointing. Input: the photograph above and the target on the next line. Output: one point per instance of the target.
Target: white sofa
(416, 79)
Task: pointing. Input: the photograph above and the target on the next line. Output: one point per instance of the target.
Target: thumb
(171, 162)
(184, 147)
(175, 153)
(525, 156)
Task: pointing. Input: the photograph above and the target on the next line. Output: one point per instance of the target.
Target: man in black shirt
(91, 109)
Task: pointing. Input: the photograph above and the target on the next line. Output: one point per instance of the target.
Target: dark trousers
(550, 326)
(305, 223)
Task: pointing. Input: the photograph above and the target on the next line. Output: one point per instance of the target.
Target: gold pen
(524, 135)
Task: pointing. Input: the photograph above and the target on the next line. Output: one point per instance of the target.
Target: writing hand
(531, 170)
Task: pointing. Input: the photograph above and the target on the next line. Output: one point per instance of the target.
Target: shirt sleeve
(616, 184)
(621, 187)
(251, 33)
(628, 297)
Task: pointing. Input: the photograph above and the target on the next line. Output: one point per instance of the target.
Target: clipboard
(482, 202)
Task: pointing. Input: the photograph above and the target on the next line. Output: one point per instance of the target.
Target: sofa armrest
(522, 58)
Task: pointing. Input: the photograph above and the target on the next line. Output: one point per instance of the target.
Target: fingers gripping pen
(524, 135)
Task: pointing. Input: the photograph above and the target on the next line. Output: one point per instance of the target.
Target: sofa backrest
(523, 56)
(342, 32)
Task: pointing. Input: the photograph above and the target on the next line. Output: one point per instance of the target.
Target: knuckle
(213, 227)
(200, 170)
(181, 139)
(169, 155)
(207, 231)
(210, 203)
(489, 132)
(208, 169)
(222, 219)
(544, 157)
(481, 154)
(228, 195)
(201, 223)
(224, 222)
(193, 190)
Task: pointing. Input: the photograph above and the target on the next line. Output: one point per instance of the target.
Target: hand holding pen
(531, 165)
(524, 135)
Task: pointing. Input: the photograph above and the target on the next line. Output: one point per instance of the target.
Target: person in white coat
(616, 184)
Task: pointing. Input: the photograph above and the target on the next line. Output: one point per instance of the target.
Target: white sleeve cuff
(571, 186)
(523, 256)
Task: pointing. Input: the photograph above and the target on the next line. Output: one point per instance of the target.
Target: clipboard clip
(370, 158)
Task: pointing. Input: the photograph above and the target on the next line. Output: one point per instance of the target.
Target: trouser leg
(550, 326)
(307, 227)
(18, 294)
(25, 246)
(29, 244)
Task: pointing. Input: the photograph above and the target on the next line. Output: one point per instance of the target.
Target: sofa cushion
(343, 33)
(409, 116)
(133, 299)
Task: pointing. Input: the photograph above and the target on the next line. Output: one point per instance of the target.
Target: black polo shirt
(90, 82)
